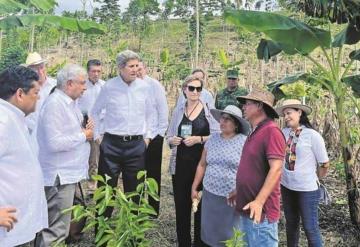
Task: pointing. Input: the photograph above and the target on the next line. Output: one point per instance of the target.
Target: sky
(72, 5)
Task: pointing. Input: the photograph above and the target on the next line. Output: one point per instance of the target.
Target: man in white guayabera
(64, 150)
(22, 196)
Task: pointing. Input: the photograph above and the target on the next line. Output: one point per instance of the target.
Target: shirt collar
(65, 97)
(19, 113)
(262, 123)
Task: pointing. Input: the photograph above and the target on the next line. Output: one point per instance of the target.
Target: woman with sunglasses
(306, 160)
(190, 127)
(218, 166)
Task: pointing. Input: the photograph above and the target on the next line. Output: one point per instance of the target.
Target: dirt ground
(335, 225)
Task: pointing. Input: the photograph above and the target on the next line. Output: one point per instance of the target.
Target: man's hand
(231, 199)
(89, 134)
(191, 140)
(7, 218)
(175, 140)
(90, 124)
(255, 208)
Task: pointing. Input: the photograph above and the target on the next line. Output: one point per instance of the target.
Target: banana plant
(15, 14)
(284, 34)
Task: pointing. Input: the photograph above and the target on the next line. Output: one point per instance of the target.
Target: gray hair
(69, 72)
(124, 56)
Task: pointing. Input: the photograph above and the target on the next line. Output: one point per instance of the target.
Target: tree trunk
(197, 34)
(349, 163)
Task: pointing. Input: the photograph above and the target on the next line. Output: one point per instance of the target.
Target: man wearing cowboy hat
(228, 95)
(257, 181)
(35, 62)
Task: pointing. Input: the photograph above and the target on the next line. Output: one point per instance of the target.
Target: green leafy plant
(13, 55)
(131, 218)
(236, 240)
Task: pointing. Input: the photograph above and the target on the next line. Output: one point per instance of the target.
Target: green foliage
(225, 61)
(290, 35)
(236, 240)
(52, 71)
(13, 55)
(130, 220)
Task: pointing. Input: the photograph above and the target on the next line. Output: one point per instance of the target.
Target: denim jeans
(258, 235)
(304, 205)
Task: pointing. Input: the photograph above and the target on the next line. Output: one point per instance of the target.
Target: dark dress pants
(118, 156)
(153, 166)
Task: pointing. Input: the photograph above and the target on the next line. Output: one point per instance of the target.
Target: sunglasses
(192, 88)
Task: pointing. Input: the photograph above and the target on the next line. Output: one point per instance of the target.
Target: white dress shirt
(21, 180)
(160, 106)
(32, 118)
(87, 100)
(128, 108)
(64, 151)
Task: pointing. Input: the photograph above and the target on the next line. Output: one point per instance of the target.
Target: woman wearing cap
(218, 167)
(306, 160)
(190, 127)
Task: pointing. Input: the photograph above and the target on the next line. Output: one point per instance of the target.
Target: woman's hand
(191, 140)
(175, 140)
(194, 194)
(231, 199)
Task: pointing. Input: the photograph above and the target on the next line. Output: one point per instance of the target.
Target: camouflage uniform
(226, 97)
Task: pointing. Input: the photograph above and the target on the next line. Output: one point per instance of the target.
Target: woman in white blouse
(218, 166)
(306, 160)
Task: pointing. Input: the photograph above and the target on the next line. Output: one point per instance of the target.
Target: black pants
(153, 165)
(118, 156)
(182, 182)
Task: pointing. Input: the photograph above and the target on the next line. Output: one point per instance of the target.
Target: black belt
(126, 138)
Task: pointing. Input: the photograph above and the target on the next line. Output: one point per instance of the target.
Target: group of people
(227, 153)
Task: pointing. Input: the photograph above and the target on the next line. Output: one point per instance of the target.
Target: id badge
(186, 130)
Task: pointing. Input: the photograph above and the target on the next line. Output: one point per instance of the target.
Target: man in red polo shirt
(257, 196)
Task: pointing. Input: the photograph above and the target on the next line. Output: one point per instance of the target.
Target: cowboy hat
(236, 113)
(292, 103)
(261, 96)
(34, 58)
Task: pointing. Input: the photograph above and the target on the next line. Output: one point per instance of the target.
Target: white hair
(124, 56)
(69, 72)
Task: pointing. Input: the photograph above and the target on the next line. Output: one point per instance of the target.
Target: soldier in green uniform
(228, 95)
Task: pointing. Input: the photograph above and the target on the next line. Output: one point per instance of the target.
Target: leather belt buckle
(126, 138)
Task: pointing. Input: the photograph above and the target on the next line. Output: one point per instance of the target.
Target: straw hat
(261, 96)
(34, 58)
(236, 113)
(292, 103)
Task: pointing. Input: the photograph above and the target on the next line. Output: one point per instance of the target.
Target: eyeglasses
(192, 89)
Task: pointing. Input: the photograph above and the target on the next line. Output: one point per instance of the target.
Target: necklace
(189, 115)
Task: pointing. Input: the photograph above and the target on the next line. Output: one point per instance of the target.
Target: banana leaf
(10, 6)
(349, 36)
(354, 82)
(44, 5)
(267, 49)
(293, 36)
(67, 23)
(355, 55)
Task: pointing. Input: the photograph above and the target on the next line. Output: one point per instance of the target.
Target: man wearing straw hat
(258, 177)
(35, 62)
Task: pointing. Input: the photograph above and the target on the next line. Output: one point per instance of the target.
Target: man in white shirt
(35, 62)
(86, 103)
(63, 150)
(161, 113)
(128, 124)
(21, 180)
(205, 95)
